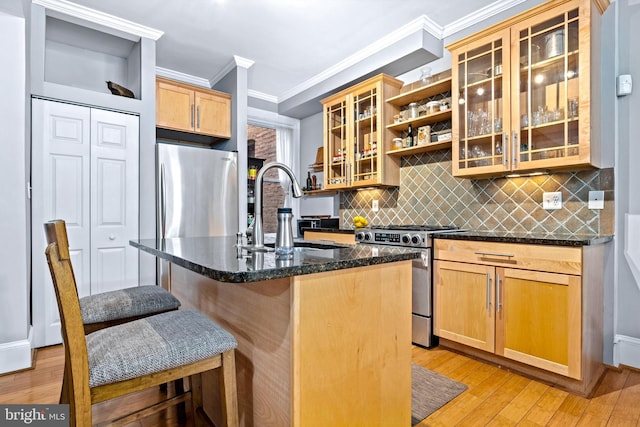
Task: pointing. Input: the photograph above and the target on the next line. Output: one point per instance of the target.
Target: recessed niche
(85, 58)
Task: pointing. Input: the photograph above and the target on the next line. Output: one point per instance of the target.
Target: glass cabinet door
(548, 115)
(336, 170)
(365, 136)
(483, 108)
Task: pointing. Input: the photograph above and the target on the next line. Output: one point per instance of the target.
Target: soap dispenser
(284, 234)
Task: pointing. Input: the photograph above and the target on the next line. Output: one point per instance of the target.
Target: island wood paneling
(258, 315)
(352, 347)
(319, 349)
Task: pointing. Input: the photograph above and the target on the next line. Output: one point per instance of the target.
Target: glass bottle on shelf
(309, 182)
(409, 136)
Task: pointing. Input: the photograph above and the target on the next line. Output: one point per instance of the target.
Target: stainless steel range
(416, 236)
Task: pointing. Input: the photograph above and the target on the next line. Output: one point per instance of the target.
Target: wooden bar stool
(136, 355)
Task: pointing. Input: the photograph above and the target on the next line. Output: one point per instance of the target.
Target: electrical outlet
(374, 205)
(552, 200)
(596, 199)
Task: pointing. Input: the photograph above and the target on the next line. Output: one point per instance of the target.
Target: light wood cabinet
(463, 305)
(523, 92)
(355, 136)
(190, 109)
(326, 236)
(533, 304)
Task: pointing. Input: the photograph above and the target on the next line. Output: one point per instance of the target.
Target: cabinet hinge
(29, 190)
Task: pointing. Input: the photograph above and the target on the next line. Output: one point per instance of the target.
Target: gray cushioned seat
(125, 303)
(153, 344)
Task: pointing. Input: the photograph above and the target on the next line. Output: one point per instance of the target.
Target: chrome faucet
(258, 234)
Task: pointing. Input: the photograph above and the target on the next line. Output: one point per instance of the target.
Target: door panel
(60, 182)
(540, 322)
(174, 105)
(114, 200)
(464, 303)
(212, 115)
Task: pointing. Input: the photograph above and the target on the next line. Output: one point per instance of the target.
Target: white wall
(15, 348)
(627, 287)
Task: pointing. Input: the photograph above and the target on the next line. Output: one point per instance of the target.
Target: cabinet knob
(112, 237)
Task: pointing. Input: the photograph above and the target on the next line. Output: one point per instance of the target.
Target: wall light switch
(552, 200)
(624, 84)
(374, 205)
(596, 199)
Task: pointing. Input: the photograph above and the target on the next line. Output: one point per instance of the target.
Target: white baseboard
(626, 351)
(16, 355)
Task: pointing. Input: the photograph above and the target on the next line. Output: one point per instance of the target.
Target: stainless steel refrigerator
(197, 194)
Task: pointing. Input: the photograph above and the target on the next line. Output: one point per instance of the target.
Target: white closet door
(60, 182)
(85, 171)
(114, 200)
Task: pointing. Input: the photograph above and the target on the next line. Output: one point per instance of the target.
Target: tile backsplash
(429, 194)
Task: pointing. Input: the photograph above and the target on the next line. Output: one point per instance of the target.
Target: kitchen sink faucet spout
(258, 233)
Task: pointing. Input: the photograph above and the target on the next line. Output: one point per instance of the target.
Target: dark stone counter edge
(277, 272)
(530, 240)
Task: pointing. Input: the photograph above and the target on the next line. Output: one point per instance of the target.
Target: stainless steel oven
(420, 237)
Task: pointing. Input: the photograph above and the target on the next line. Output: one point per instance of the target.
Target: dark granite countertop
(526, 238)
(218, 258)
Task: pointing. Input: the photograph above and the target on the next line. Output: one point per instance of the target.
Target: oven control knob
(406, 239)
(416, 239)
(368, 237)
(360, 235)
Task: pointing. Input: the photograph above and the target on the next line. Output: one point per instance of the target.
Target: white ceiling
(292, 43)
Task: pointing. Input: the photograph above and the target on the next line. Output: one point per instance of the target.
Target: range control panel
(395, 238)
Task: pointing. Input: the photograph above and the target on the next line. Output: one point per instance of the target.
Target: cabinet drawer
(555, 259)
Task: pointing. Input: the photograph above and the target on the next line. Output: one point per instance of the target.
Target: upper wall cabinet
(356, 137)
(192, 109)
(526, 95)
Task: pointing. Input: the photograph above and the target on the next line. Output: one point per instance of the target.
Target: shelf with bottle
(422, 139)
(423, 122)
(443, 113)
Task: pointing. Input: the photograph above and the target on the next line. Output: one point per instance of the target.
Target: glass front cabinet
(522, 93)
(355, 136)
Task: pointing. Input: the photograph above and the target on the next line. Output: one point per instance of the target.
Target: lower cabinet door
(538, 319)
(464, 303)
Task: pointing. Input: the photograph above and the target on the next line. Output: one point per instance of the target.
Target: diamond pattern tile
(429, 194)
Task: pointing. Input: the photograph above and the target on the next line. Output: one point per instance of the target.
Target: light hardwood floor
(494, 397)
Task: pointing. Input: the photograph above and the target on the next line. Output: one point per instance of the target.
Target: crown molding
(479, 16)
(243, 62)
(263, 96)
(237, 61)
(71, 9)
(422, 23)
(182, 77)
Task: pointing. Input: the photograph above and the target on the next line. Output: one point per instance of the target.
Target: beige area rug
(430, 391)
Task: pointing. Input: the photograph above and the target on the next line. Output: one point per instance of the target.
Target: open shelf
(421, 93)
(417, 149)
(428, 119)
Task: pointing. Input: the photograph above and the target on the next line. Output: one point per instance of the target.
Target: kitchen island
(323, 339)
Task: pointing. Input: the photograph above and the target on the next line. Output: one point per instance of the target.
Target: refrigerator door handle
(163, 203)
